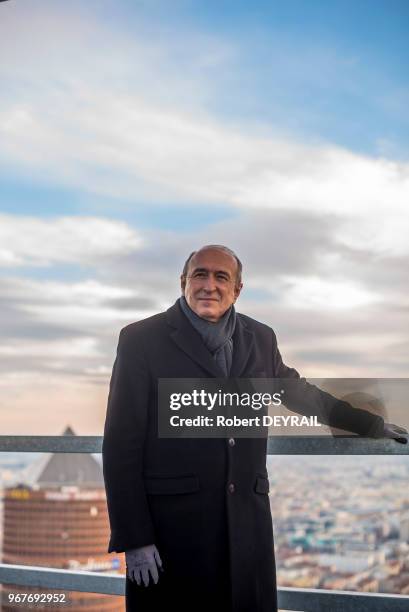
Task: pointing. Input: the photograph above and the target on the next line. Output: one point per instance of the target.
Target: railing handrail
(308, 600)
(277, 445)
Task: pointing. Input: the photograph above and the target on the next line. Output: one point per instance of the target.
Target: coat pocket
(262, 485)
(171, 485)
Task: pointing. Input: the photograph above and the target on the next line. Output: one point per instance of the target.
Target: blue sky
(317, 71)
(132, 132)
(324, 70)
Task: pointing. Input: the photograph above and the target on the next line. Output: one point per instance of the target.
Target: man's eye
(199, 274)
(223, 279)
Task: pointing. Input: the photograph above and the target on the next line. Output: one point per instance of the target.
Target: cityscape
(339, 522)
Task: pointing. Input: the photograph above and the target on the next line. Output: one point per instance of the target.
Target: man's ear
(183, 283)
(237, 290)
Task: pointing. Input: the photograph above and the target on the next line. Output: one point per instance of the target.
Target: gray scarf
(217, 337)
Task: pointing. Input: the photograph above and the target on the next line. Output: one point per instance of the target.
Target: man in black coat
(193, 514)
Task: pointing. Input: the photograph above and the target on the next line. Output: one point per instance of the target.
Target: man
(193, 515)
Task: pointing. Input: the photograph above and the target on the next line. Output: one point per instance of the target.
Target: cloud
(39, 242)
(307, 295)
(77, 347)
(80, 306)
(65, 328)
(118, 145)
(120, 136)
(314, 292)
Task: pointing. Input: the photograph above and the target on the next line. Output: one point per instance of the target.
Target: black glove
(140, 562)
(395, 432)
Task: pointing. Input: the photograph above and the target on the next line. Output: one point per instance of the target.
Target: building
(57, 517)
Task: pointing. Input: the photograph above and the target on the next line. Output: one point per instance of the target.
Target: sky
(132, 133)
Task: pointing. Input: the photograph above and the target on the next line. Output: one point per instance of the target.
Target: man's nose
(209, 283)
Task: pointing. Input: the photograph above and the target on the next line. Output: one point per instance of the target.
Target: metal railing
(277, 445)
(307, 600)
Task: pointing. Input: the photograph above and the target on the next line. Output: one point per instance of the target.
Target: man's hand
(142, 561)
(396, 433)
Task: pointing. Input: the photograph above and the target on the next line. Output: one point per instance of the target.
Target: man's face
(210, 287)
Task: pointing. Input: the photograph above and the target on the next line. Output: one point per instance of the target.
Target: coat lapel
(188, 339)
(243, 343)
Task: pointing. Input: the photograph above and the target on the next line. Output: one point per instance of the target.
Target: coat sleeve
(122, 450)
(307, 399)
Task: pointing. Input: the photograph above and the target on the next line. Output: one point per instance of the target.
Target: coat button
(232, 441)
(231, 488)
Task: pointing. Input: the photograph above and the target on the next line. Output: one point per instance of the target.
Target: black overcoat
(203, 502)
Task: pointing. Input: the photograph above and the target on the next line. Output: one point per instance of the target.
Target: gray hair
(220, 247)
